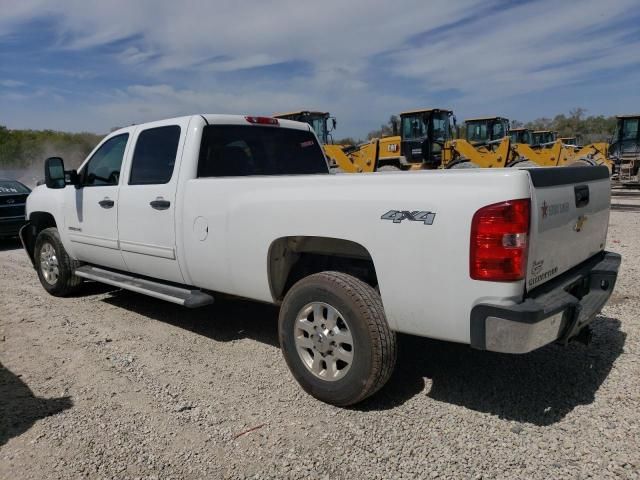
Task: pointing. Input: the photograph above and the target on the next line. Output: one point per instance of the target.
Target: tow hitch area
(584, 336)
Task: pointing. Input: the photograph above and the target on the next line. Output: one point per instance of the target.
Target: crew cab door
(146, 217)
(91, 208)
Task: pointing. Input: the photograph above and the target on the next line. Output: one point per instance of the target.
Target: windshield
(319, 125)
(630, 129)
(10, 186)
(540, 138)
(520, 136)
(413, 127)
(499, 130)
(477, 132)
(440, 126)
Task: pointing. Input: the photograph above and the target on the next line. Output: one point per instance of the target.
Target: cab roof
(543, 131)
(425, 110)
(480, 119)
(637, 115)
(518, 129)
(299, 112)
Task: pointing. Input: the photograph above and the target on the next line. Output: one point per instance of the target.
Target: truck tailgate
(569, 219)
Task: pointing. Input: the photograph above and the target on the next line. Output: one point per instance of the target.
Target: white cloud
(8, 83)
(516, 50)
(524, 49)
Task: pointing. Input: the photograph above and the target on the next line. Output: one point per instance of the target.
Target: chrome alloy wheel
(49, 263)
(323, 341)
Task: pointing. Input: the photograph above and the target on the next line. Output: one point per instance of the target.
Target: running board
(170, 293)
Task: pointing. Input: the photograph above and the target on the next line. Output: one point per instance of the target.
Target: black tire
(388, 168)
(582, 162)
(374, 344)
(465, 164)
(66, 282)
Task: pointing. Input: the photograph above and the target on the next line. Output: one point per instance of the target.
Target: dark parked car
(13, 197)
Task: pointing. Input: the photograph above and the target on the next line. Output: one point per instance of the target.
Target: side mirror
(55, 175)
(54, 172)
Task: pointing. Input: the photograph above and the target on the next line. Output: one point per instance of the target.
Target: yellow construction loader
(426, 142)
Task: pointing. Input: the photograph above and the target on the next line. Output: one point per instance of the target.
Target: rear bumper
(9, 227)
(555, 311)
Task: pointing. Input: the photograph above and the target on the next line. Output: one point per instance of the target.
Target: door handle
(582, 195)
(160, 204)
(106, 203)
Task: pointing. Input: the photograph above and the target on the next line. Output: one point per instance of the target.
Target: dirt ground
(111, 384)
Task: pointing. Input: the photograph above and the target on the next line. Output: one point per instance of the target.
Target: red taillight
(262, 120)
(499, 240)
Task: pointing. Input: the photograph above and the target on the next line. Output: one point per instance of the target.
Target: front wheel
(335, 338)
(54, 266)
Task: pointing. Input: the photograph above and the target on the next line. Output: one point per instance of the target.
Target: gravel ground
(115, 385)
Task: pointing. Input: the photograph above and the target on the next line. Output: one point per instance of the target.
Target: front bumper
(555, 311)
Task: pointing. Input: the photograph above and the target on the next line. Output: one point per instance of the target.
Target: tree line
(20, 149)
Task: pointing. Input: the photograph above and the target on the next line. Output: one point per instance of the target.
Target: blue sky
(89, 66)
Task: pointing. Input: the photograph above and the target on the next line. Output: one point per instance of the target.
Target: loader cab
(423, 135)
(624, 147)
(520, 135)
(486, 130)
(321, 122)
(571, 141)
(626, 138)
(543, 138)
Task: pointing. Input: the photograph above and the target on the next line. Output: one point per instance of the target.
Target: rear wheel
(462, 164)
(54, 266)
(582, 162)
(335, 338)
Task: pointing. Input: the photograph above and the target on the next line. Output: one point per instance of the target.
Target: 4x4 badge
(398, 216)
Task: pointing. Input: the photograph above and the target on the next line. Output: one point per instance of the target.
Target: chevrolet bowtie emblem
(581, 220)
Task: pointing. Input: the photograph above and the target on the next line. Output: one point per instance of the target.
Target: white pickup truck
(505, 260)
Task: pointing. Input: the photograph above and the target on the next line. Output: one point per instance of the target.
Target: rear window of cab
(238, 150)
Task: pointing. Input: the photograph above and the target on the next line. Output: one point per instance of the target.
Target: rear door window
(155, 156)
(238, 150)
